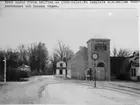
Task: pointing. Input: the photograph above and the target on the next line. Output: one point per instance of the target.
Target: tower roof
(98, 38)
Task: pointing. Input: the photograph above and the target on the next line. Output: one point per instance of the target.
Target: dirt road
(51, 90)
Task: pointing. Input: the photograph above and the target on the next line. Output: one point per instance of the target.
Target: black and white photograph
(71, 55)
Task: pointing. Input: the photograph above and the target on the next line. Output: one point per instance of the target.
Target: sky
(72, 26)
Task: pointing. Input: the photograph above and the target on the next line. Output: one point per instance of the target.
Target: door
(100, 71)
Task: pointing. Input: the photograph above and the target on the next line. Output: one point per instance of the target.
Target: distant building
(125, 68)
(116, 66)
(25, 71)
(83, 60)
(134, 67)
(61, 69)
(24, 67)
(77, 65)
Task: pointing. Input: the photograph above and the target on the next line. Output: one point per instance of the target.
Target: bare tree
(53, 60)
(136, 53)
(63, 51)
(121, 53)
(43, 57)
(23, 54)
(114, 52)
(38, 56)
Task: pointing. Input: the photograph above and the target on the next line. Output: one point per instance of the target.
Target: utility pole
(95, 57)
(4, 69)
(94, 75)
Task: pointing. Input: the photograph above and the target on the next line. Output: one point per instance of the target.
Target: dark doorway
(100, 64)
(61, 72)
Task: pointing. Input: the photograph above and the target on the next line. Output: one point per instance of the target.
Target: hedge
(15, 74)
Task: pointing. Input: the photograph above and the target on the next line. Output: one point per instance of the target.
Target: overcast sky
(73, 26)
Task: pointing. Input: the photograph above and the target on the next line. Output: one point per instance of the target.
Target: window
(133, 72)
(61, 64)
(100, 46)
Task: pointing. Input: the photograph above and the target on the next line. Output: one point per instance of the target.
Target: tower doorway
(100, 71)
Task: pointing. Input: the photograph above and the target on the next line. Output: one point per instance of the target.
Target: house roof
(134, 59)
(60, 62)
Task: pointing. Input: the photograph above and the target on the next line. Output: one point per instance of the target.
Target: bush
(113, 78)
(24, 74)
(35, 73)
(123, 77)
(13, 74)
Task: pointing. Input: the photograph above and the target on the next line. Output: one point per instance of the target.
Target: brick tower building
(83, 60)
(101, 47)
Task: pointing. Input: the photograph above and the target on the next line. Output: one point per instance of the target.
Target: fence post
(4, 69)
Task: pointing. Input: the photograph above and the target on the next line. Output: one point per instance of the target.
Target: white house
(61, 69)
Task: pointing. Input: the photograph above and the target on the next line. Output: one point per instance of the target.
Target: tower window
(101, 46)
